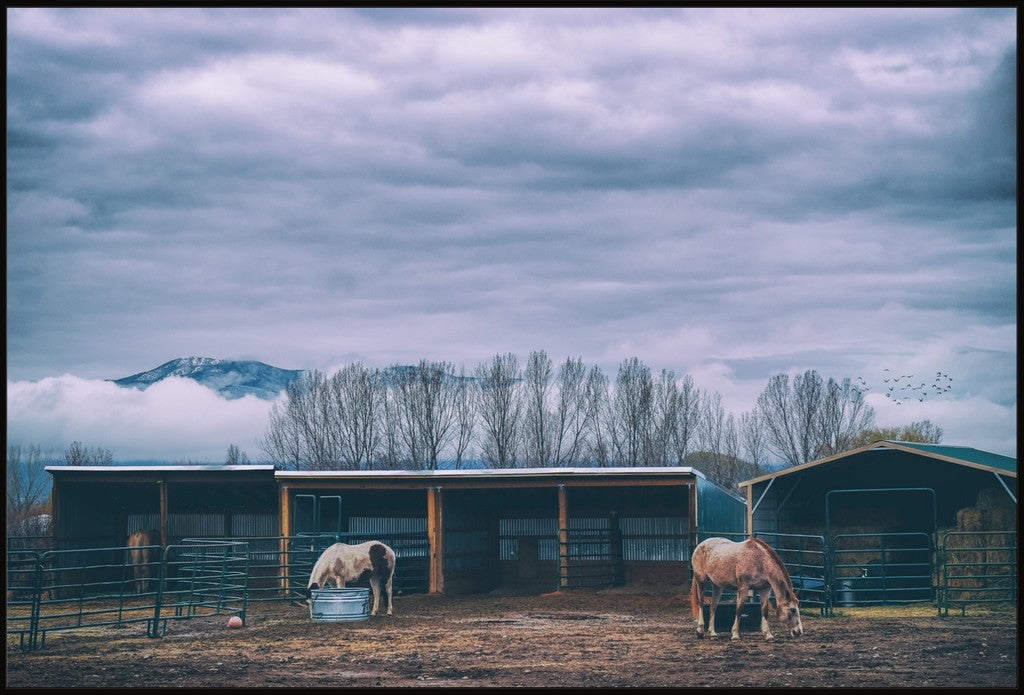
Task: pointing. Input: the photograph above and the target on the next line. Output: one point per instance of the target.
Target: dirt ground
(567, 639)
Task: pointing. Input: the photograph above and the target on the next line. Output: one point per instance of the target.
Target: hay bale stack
(968, 519)
(962, 551)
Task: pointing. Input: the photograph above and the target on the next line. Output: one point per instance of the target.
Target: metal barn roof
(498, 472)
(961, 455)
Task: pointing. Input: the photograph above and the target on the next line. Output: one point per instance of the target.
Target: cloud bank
(730, 193)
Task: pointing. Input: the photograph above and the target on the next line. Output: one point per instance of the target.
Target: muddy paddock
(577, 638)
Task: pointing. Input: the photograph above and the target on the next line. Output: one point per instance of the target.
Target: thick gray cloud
(727, 193)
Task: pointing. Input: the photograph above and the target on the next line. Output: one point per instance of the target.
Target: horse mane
(787, 582)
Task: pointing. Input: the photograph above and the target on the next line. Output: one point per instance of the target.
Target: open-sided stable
(454, 531)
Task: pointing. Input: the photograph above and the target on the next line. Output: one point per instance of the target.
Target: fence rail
(58, 590)
(54, 590)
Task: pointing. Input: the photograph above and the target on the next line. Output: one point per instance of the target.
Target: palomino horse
(342, 563)
(143, 551)
(744, 565)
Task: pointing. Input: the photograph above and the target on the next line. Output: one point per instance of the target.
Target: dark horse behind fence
(143, 553)
(342, 563)
(744, 565)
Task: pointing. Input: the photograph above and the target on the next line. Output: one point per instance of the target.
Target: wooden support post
(435, 535)
(285, 530)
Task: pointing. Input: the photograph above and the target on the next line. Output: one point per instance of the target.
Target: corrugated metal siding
(655, 538)
(545, 529)
(141, 521)
(718, 511)
(250, 524)
(195, 525)
(387, 526)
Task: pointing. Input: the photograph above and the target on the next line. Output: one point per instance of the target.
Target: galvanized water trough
(339, 605)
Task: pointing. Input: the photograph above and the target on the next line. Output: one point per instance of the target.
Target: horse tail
(382, 558)
(696, 597)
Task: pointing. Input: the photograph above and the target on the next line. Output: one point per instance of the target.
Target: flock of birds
(902, 388)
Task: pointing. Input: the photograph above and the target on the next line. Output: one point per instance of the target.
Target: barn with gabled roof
(891, 509)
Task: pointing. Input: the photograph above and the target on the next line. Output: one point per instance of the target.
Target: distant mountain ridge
(230, 378)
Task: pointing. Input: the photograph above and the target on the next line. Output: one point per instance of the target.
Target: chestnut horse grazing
(142, 555)
(342, 563)
(744, 565)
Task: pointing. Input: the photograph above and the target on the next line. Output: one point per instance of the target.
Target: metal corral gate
(591, 558)
(884, 567)
(61, 590)
(596, 550)
(977, 567)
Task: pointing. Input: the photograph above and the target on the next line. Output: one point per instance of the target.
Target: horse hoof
(735, 638)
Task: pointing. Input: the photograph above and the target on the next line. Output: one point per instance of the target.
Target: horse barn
(453, 531)
(894, 522)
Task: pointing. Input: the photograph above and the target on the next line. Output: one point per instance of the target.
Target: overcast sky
(729, 194)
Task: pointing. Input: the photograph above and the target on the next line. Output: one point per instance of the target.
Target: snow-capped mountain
(230, 378)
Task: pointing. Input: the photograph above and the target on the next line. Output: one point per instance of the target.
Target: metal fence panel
(977, 567)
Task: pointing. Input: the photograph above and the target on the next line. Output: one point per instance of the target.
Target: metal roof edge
(496, 472)
(810, 464)
(880, 444)
(181, 467)
(942, 457)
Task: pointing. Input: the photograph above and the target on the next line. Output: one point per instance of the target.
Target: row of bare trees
(504, 415)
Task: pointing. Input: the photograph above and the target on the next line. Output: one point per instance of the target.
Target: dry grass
(919, 610)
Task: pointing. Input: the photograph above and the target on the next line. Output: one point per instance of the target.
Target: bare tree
(810, 417)
(282, 442)
(688, 413)
(574, 414)
(537, 430)
(664, 418)
(28, 486)
(632, 413)
(711, 431)
(843, 415)
(465, 417)
(392, 457)
(499, 385)
(600, 413)
(303, 431)
(358, 395)
(777, 409)
(235, 456)
(427, 411)
(78, 455)
(752, 439)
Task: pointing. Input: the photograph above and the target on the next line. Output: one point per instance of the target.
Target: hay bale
(968, 519)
